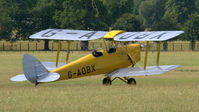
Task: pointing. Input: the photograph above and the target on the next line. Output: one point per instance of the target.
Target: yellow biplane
(116, 62)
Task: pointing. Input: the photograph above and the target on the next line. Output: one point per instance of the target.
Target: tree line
(21, 18)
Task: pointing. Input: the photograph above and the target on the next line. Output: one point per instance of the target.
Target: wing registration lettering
(71, 33)
(51, 32)
(88, 35)
(147, 36)
(158, 36)
(142, 35)
(64, 34)
(128, 35)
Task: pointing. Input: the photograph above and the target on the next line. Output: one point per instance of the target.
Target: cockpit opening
(112, 50)
(96, 53)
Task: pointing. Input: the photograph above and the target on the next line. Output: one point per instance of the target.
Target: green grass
(175, 91)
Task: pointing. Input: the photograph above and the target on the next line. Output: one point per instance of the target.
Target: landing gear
(107, 81)
(36, 83)
(131, 81)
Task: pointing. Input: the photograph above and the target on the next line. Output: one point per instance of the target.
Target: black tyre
(106, 81)
(131, 81)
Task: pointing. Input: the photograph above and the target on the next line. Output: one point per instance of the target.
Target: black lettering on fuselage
(82, 71)
(78, 72)
(93, 68)
(88, 69)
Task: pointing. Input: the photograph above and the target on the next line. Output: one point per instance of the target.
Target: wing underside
(139, 71)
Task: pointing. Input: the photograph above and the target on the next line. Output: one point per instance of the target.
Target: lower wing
(139, 71)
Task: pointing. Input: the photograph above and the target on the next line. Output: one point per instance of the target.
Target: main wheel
(131, 81)
(106, 81)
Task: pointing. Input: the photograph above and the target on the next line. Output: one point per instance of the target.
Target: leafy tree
(43, 14)
(136, 6)
(116, 8)
(83, 15)
(165, 24)
(128, 22)
(34, 16)
(8, 10)
(192, 29)
(25, 4)
(151, 11)
(24, 24)
(179, 9)
(197, 5)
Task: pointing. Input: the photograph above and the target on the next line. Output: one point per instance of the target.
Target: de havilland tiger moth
(117, 62)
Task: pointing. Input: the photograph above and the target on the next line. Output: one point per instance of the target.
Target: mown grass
(175, 91)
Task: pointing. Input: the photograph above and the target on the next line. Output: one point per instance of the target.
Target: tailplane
(35, 72)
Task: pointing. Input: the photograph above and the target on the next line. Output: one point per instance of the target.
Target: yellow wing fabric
(113, 33)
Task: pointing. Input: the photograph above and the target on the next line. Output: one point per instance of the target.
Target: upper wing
(151, 70)
(147, 36)
(61, 34)
(83, 35)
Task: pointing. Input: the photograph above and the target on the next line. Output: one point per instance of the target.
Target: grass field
(175, 91)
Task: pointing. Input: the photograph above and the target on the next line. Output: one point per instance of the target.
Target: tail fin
(35, 72)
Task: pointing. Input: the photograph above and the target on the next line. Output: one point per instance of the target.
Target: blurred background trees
(8, 11)
(128, 22)
(192, 29)
(21, 18)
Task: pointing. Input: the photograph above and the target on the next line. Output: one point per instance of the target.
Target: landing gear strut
(36, 83)
(108, 81)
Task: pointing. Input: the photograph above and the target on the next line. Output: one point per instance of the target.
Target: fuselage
(108, 62)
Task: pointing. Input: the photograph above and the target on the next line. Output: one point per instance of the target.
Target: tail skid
(35, 72)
